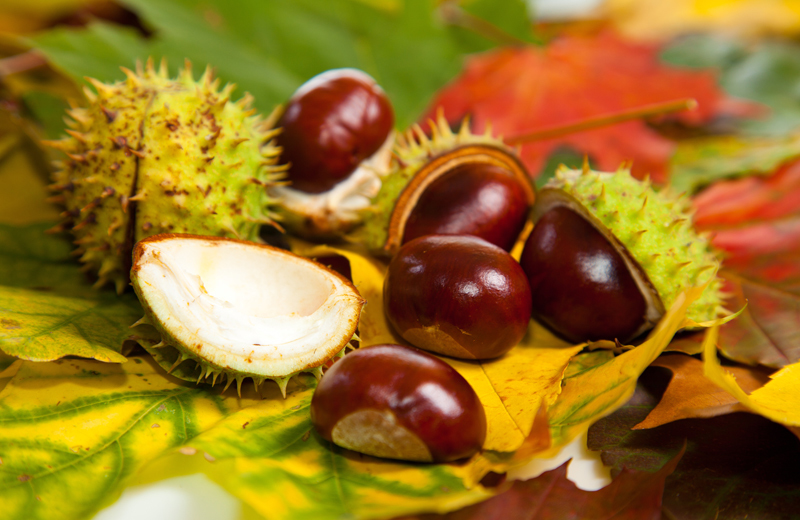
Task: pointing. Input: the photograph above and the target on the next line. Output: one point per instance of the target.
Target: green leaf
(563, 155)
(97, 51)
(270, 48)
(700, 162)
(43, 326)
(47, 310)
(270, 457)
(767, 72)
(511, 16)
(72, 432)
(48, 110)
(31, 258)
(480, 25)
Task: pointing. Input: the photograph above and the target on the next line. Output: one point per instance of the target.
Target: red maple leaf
(518, 90)
(756, 222)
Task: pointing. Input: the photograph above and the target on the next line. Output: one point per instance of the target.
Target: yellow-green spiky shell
(413, 150)
(655, 227)
(151, 155)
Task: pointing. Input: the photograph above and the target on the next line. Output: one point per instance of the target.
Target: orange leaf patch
(517, 90)
(691, 395)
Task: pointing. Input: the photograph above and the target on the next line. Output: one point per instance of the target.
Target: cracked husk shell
(229, 309)
(151, 155)
(330, 214)
(419, 161)
(652, 230)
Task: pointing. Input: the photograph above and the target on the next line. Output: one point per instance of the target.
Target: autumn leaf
(5, 362)
(778, 399)
(700, 162)
(767, 72)
(270, 457)
(631, 495)
(574, 78)
(48, 310)
(756, 221)
(270, 48)
(655, 20)
(23, 186)
(600, 385)
(39, 326)
(511, 388)
(73, 431)
(19, 16)
(691, 395)
(737, 465)
(31, 258)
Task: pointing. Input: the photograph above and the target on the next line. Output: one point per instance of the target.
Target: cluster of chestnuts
(452, 287)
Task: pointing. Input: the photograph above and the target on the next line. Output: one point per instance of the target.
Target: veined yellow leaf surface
(73, 431)
(269, 456)
(597, 389)
(41, 326)
(513, 387)
(778, 400)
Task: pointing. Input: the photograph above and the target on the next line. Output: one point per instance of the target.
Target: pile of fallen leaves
(700, 425)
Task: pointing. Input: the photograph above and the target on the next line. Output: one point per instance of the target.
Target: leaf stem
(655, 109)
(455, 15)
(21, 63)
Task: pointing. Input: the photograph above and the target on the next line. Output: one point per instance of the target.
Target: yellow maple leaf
(778, 400)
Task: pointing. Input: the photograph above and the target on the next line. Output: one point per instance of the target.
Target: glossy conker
(331, 124)
(397, 402)
(581, 286)
(479, 199)
(457, 295)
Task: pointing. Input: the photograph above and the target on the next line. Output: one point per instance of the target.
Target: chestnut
(450, 185)
(331, 124)
(457, 295)
(479, 199)
(396, 402)
(581, 286)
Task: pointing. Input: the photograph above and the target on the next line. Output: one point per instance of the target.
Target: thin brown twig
(22, 62)
(455, 15)
(656, 109)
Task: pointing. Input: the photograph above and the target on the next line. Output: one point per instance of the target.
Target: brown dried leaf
(691, 395)
(631, 495)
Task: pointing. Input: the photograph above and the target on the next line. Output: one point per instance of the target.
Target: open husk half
(240, 309)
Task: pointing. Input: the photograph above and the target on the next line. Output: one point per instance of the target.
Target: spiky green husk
(657, 230)
(151, 155)
(412, 151)
(186, 364)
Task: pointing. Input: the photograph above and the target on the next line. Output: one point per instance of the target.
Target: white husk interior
(249, 308)
(339, 208)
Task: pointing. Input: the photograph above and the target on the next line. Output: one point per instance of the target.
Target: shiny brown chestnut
(581, 287)
(479, 199)
(457, 295)
(479, 189)
(332, 123)
(396, 402)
